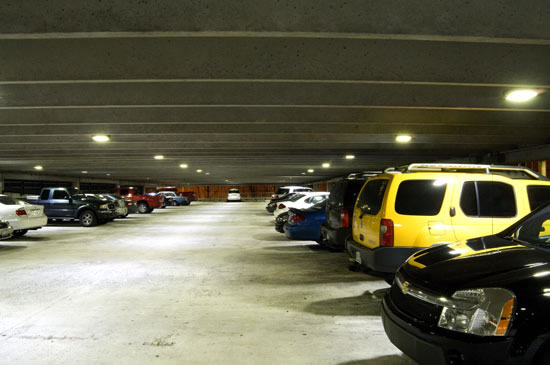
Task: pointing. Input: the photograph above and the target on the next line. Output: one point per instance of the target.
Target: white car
(233, 195)
(5, 230)
(301, 201)
(283, 190)
(21, 215)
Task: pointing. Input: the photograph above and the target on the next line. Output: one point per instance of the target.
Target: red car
(142, 203)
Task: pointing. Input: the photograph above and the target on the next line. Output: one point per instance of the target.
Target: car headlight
(104, 206)
(482, 312)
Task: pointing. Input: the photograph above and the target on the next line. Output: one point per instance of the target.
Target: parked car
(302, 200)
(6, 231)
(72, 204)
(191, 195)
(233, 195)
(272, 205)
(482, 301)
(120, 203)
(290, 189)
(403, 211)
(144, 203)
(305, 224)
(21, 215)
(339, 211)
(172, 198)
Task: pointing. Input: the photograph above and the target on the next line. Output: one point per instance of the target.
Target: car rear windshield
(6, 200)
(302, 189)
(371, 199)
(234, 191)
(488, 199)
(420, 197)
(281, 191)
(538, 195)
(296, 197)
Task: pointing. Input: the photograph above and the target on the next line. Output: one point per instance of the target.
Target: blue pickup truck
(71, 203)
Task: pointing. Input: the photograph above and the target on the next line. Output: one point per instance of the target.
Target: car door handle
(452, 211)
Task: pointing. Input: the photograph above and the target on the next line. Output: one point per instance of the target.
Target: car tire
(87, 218)
(19, 232)
(163, 207)
(176, 204)
(143, 208)
(187, 203)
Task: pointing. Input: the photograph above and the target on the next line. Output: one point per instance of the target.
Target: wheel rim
(87, 218)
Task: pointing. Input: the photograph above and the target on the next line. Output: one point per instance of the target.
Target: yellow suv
(404, 210)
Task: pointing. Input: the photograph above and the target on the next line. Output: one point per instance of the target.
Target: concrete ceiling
(259, 91)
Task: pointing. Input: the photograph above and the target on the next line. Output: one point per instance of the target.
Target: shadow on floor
(271, 237)
(367, 304)
(383, 360)
(8, 248)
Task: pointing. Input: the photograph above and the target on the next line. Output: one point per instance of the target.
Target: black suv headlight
(482, 312)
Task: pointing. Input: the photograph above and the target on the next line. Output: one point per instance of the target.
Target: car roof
(294, 187)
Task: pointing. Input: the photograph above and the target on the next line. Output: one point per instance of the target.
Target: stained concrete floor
(209, 283)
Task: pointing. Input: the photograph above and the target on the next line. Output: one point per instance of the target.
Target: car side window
(308, 200)
(538, 195)
(488, 199)
(45, 195)
(60, 194)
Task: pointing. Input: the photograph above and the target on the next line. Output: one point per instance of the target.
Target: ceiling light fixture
(520, 96)
(350, 157)
(84, 172)
(108, 174)
(303, 173)
(199, 170)
(207, 173)
(159, 157)
(101, 138)
(310, 170)
(38, 167)
(403, 138)
(184, 166)
(326, 165)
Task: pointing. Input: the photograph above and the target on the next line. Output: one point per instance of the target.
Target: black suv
(480, 301)
(339, 209)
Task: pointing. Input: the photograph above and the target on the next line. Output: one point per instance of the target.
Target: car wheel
(187, 203)
(176, 204)
(163, 207)
(143, 208)
(87, 218)
(19, 232)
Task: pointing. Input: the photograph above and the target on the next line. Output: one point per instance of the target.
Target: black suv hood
(481, 262)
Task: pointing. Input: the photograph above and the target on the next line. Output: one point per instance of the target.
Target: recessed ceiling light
(207, 173)
(108, 174)
(403, 138)
(350, 157)
(326, 165)
(184, 166)
(84, 172)
(310, 170)
(159, 157)
(303, 173)
(521, 95)
(199, 170)
(226, 180)
(38, 167)
(101, 138)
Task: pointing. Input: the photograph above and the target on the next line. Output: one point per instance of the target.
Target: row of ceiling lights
(102, 138)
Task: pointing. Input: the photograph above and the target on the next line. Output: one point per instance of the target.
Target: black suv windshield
(534, 229)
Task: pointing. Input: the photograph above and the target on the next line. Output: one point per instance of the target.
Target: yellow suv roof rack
(517, 172)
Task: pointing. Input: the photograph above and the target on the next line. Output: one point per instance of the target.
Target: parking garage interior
(206, 96)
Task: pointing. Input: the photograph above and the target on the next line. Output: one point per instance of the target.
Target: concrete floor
(209, 283)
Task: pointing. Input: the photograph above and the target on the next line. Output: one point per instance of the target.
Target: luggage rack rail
(442, 167)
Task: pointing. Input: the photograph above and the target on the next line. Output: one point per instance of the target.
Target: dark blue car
(305, 224)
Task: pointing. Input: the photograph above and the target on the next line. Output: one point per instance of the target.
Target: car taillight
(344, 218)
(21, 211)
(282, 206)
(297, 217)
(386, 232)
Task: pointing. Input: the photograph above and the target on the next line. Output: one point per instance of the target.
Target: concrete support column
(76, 183)
(542, 167)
